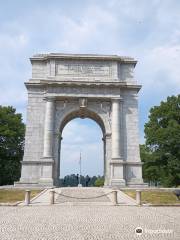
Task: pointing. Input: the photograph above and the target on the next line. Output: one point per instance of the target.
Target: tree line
(86, 181)
(160, 153)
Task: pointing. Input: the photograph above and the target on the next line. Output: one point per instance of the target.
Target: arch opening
(81, 131)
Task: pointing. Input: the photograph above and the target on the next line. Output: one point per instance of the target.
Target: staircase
(82, 196)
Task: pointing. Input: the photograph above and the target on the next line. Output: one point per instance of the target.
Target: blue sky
(146, 30)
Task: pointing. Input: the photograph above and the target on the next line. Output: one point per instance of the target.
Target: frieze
(84, 69)
(83, 90)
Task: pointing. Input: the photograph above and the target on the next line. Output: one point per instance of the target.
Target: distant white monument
(67, 86)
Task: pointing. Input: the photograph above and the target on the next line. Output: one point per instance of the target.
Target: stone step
(82, 195)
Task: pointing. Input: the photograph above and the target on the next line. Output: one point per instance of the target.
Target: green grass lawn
(14, 195)
(155, 197)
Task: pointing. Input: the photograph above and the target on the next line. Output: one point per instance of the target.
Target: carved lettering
(85, 69)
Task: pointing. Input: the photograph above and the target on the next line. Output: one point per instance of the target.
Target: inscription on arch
(84, 69)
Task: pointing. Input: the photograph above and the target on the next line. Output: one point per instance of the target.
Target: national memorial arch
(66, 86)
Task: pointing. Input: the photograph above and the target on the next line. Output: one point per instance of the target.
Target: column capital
(117, 99)
(107, 135)
(49, 99)
(58, 135)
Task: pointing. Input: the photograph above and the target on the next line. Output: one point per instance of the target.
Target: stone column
(48, 128)
(107, 159)
(57, 159)
(116, 128)
(117, 163)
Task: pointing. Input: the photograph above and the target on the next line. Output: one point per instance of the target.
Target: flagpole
(80, 170)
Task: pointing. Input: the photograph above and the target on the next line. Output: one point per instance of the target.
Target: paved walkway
(90, 193)
(88, 222)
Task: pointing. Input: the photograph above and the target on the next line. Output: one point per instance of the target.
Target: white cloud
(160, 67)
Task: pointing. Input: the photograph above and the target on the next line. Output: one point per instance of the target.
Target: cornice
(44, 57)
(43, 83)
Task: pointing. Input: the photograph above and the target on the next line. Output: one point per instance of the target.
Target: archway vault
(83, 113)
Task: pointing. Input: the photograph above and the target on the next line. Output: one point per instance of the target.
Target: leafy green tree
(99, 182)
(162, 134)
(150, 168)
(11, 145)
(92, 181)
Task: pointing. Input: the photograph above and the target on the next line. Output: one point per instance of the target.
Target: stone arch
(65, 86)
(98, 112)
(83, 114)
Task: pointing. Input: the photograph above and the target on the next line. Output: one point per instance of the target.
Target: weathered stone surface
(99, 87)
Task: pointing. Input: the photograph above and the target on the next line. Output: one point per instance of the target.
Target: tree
(162, 134)
(150, 168)
(11, 144)
(99, 182)
(73, 180)
(92, 181)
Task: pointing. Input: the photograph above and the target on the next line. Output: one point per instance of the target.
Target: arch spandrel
(82, 114)
(67, 111)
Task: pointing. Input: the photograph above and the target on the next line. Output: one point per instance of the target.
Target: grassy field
(14, 195)
(155, 197)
